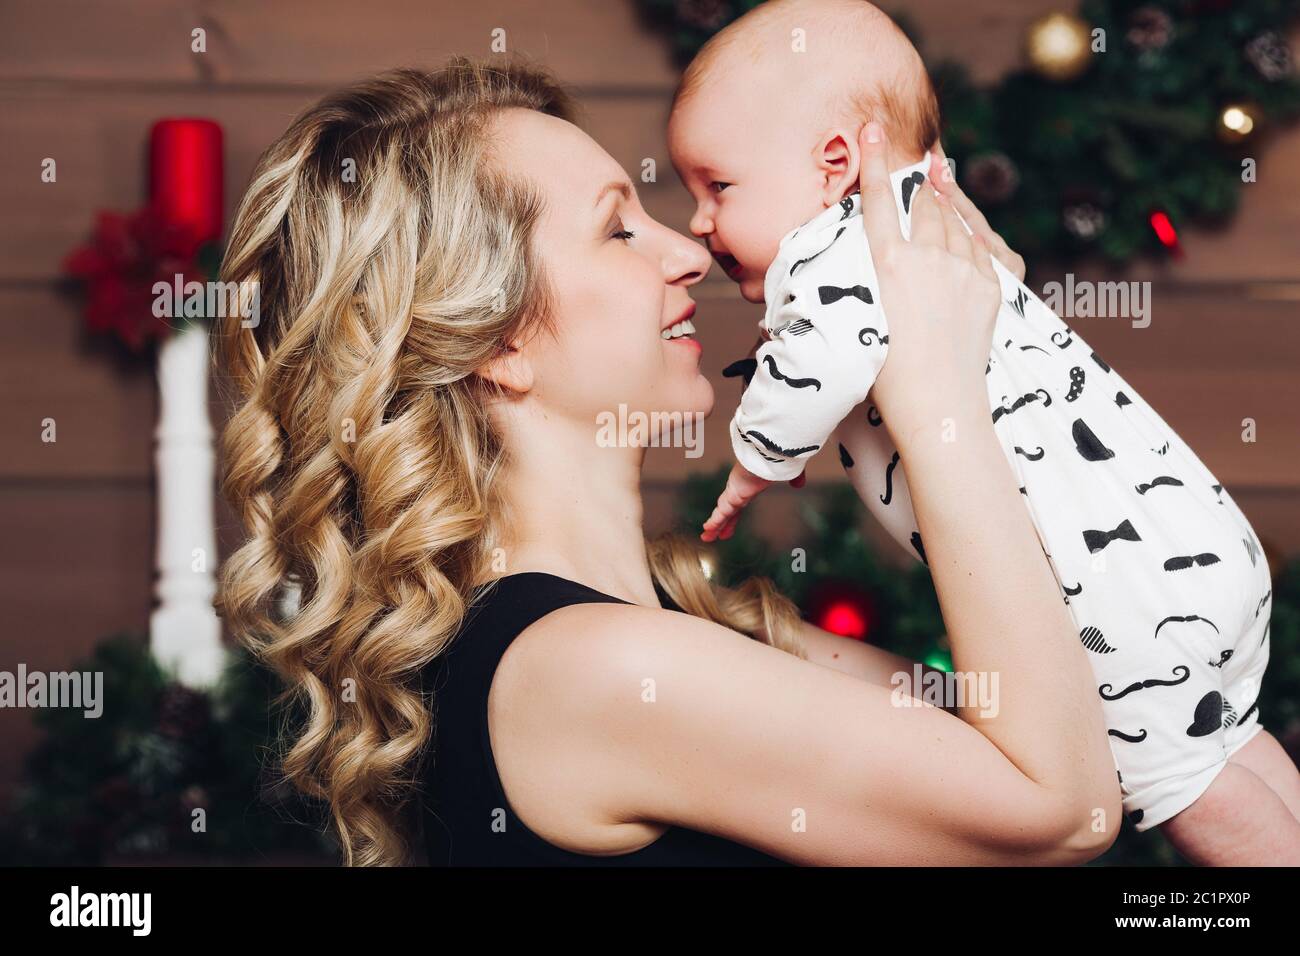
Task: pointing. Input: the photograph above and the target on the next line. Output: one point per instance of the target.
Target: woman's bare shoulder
(547, 695)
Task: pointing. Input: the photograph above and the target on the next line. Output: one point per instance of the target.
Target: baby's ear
(836, 157)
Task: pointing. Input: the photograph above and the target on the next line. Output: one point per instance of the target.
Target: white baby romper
(1162, 572)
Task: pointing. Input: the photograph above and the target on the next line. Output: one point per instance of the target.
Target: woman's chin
(703, 404)
(698, 404)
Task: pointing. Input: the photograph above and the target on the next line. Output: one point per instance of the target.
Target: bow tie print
(1096, 540)
(830, 294)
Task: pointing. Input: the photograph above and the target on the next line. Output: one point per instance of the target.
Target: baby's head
(764, 124)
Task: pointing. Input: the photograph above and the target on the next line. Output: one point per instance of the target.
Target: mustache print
(1156, 482)
(845, 458)
(846, 204)
(1098, 359)
(908, 186)
(1224, 657)
(1036, 456)
(889, 480)
(1250, 710)
(873, 417)
(1018, 303)
(1183, 562)
(792, 382)
(797, 327)
(866, 334)
(1188, 619)
(802, 262)
(1076, 384)
(774, 447)
(1063, 343)
(743, 367)
(1163, 449)
(1121, 399)
(1131, 738)
(1098, 540)
(1087, 444)
(1075, 592)
(1252, 550)
(1026, 348)
(1105, 689)
(1218, 491)
(1094, 641)
(919, 546)
(1262, 601)
(830, 294)
(1021, 402)
(762, 454)
(1208, 716)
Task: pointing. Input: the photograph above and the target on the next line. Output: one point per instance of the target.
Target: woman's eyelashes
(617, 231)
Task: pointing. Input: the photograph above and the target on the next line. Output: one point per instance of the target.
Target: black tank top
(463, 795)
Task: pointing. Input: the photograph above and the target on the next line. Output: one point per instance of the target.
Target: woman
(455, 280)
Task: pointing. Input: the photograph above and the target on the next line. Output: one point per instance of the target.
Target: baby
(1162, 572)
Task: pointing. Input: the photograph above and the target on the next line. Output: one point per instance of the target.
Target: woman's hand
(943, 180)
(939, 291)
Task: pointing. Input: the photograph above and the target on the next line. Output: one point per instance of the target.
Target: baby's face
(753, 177)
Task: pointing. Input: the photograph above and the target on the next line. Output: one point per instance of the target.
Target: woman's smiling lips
(687, 338)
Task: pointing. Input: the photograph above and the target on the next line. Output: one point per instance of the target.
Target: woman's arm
(858, 658)
(626, 716)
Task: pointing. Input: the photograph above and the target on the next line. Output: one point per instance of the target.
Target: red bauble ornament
(842, 608)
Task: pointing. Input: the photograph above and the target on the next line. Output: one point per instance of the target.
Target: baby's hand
(742, 487)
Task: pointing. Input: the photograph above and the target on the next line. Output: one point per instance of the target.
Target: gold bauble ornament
(1237, 122)
(708, 562)
(1059, 46)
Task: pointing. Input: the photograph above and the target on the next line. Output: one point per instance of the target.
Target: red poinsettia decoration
(126, 255)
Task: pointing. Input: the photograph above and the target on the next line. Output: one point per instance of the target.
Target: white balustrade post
(184, 629)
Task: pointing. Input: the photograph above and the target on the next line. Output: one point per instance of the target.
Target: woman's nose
(686, 262)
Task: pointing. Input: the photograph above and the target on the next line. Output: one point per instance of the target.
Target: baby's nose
(701, 224)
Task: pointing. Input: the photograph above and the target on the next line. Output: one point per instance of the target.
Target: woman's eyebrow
(618, 185)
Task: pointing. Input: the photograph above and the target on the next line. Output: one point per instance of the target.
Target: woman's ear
(512, 370)
(837, 160)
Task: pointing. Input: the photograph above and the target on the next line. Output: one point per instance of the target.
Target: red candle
(185, 177)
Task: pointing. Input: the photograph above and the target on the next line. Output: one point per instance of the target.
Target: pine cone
(991, 177)
(1269, 54)
(1150, 29)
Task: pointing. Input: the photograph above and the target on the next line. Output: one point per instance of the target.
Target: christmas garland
(1134, 119)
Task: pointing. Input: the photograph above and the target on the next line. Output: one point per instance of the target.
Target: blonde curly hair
(391, 260)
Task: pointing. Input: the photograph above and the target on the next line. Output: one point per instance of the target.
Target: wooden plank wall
(82, 81)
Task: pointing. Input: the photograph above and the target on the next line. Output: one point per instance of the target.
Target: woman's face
(618, 280)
